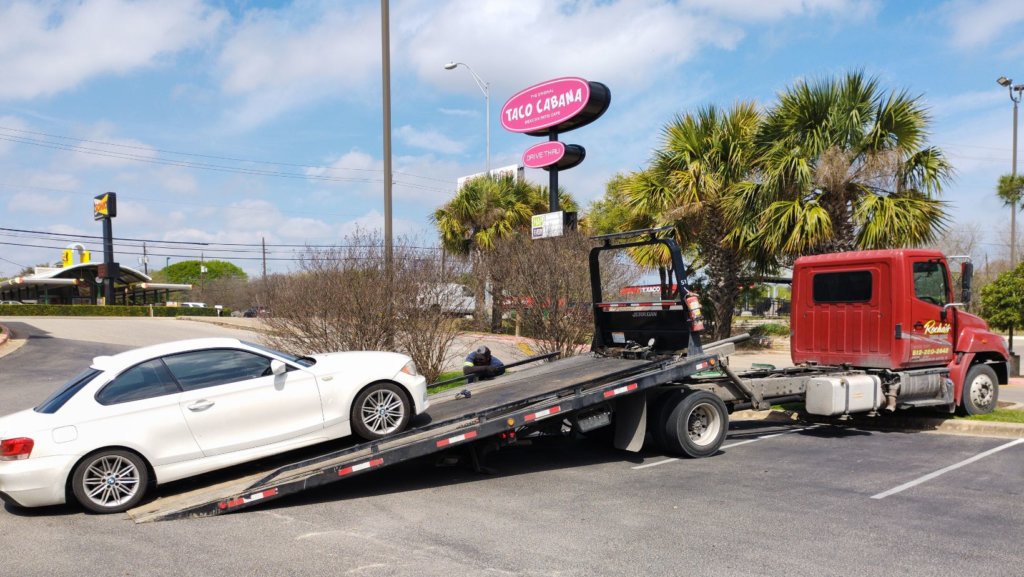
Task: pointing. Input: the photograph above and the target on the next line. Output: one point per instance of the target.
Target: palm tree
(484, 211)
(843, 165)
(705, 157)
(1010, 190)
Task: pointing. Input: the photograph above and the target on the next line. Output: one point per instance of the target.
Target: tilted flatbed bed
(502, 406)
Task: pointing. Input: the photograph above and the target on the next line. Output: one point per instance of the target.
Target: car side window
(201, 369)
(143, 381)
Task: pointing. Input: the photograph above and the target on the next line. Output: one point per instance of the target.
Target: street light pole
(1018, 88)
(486, 89)
(1008, 83)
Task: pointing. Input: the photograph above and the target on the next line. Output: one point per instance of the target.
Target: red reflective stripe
(620, 390)
(542, 414)
(249, 499)
(456, 439)
(360, 467)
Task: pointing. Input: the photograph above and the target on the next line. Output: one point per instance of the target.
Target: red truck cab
(893, 311)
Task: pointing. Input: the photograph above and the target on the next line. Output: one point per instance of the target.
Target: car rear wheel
(110, 481)
(379, 410)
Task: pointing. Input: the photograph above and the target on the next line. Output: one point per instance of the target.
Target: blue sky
(230, 123)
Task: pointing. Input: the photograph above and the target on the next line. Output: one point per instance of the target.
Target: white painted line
(931, 476)
(729, 446)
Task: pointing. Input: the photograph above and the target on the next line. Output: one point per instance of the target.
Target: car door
(931, 336)
(140, 410)
(232, 401)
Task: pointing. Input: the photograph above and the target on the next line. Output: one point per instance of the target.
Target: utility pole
(145, 260)
(264, 243)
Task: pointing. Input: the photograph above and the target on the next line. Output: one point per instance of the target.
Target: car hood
(381, 362)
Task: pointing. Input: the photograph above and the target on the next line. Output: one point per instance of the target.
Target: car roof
(135, 356)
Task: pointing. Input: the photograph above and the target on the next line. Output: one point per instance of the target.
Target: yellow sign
(104, 206)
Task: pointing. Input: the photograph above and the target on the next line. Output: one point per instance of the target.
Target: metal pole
(108, 260)
(553, 178)
(1013, 204)
(385, 46)
(487, 101)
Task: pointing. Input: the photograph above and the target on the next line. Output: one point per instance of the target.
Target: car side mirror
(277, 367)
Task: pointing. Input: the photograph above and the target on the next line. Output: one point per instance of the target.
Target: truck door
(931, 338)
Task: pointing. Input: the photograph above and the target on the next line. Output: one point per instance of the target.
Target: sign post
(104, 207)
(550, 108)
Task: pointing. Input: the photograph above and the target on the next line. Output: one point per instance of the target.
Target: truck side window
(842, 287)
(930, 284)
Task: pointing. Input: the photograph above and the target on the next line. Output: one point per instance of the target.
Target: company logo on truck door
(934, 327)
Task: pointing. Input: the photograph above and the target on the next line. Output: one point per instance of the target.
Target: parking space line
(945, 470)
(729, 446)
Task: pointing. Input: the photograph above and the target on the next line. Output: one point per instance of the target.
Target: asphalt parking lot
(779, 499)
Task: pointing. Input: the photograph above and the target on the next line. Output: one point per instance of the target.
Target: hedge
(106, 311)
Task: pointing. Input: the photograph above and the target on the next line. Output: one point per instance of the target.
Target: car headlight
(410, 369)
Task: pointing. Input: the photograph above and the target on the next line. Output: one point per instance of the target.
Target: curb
(894, 423)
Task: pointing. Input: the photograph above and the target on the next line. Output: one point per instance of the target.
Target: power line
(147, 158)
(199, 244)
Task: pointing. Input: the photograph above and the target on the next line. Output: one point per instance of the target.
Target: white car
(165, 412)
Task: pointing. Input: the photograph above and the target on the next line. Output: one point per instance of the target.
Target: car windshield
(304, 361)
(61, 396)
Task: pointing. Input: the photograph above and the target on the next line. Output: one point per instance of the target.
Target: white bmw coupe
(165, 412)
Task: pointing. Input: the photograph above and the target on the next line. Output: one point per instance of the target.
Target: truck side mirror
(966, 274)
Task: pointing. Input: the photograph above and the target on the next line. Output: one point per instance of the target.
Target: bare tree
(547, 288)
(342, 298)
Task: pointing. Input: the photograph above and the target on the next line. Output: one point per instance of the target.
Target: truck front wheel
(981, 390)
(696, 425)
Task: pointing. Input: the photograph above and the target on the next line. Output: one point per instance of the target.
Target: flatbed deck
(492, 404)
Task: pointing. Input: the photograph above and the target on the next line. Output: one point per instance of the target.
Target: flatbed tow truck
(648, 376)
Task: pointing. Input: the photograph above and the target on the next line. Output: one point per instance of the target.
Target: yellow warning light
(511, 421)
(711, 361)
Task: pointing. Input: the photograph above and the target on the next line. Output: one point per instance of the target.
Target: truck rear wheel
(981, 390)
(695, 424)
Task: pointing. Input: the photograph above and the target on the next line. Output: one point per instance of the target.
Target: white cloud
(429, 140)
(38, 203)
(976, 24)
(178, 181)
(775, 10)
(510, 44)
(49, 47)
(100, 147)
(10, 127)
(279, 59)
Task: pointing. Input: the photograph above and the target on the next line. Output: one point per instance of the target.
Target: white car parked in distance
(165, 412)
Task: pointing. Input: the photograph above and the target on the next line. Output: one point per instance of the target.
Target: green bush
(770, 330)
(106, 311)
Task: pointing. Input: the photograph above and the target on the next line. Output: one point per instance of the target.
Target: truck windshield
(930, 282)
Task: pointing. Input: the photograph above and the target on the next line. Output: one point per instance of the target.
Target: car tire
(379, 410)
(980, 394)
(110, 481)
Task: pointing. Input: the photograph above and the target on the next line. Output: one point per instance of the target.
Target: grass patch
(1000, 416)
(431, 389)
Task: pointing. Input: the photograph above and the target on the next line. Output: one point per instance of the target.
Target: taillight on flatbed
(16, 449)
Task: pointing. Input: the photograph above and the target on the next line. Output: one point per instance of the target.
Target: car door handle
(200, 405)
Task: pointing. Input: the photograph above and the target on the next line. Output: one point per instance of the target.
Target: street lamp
(1008, 83)
(486, 89)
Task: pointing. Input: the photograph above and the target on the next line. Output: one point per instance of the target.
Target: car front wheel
(379, 410)
(110, 481)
